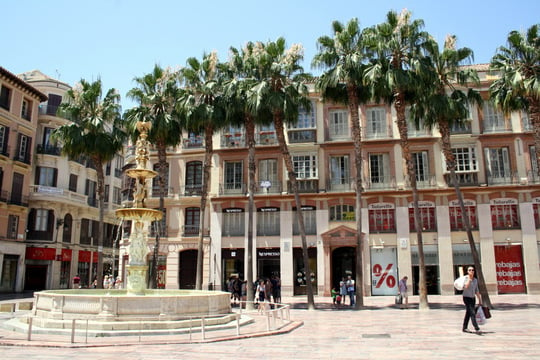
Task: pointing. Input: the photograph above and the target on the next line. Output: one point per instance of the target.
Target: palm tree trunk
(209, 149)
(451, 161)
(357, 141)
(404, 140)
(250, 137)
(162, 161)
(278, 124)
(534, 115)
(101, 227)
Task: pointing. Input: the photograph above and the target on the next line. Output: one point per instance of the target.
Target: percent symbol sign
(390, 279)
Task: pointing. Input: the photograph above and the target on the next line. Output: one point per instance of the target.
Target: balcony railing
(266, 138)
(24, 157)
(55, 192)
(4, 150)
(345, 185)
(18, 199)
(501, 179)
(190, 230)
(191, 190)
(302, 136)
(496, 128)
(380, 183)
(232, 189)
(193, 143)
(4, 196)
(373, 134)
(464, 179)
(48, 109)
(233, 140)
(461, 128)
(274, 188)
(423, 182)
(305, 186)
(48, 149)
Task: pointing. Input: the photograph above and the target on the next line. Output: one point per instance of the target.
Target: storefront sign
(381, 206)
(66, 254)
(233, 210)
(34, 253)
(384, 271)
(268, 209)
(509, 268)
(423, 204)
(503, 201)
(268, 253)
(465, 203)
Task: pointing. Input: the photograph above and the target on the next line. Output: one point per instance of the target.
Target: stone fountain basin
(118, 305)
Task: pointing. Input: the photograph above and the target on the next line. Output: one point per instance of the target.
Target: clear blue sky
(118, 40)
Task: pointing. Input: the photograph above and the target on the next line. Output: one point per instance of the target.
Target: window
(4, 135)
(46, 176)
(194, 174)
(73, 182)
(421, 165)
(310, 221)
(505, 216)
(233, 222)
(498, 165)
(534, 162)
(493, 118)
(268, 223)
(338, 124)
(339, 172)
(342, 213)
(536, 216)
(465, 159)
(526, 122)
(376, 123)
(233, 177)
(118, 165)
(304, 129)
(427, 215)
(5, 97)
(233, 136)
(117, 198)
(42, 220)
(13, 227)
(382, 218)
(192, 220)
(379, 170)
(268, 173)
(53, 103)
(456, 217)
(26, 109)
(91, 192)
(305, 166)
(159, 227)
(414, 129)
(155, 181)
(24, 147)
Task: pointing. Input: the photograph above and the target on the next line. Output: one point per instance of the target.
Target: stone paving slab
(380, 331)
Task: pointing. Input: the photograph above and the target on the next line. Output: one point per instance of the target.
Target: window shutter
(50, 221)
(38, 174)
(506, 160)
(32, 219)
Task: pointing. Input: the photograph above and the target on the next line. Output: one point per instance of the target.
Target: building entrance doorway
(187, 271)
(35, 277)
(432, 279)
(343, 264)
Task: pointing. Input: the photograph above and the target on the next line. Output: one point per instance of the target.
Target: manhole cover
(375, 336)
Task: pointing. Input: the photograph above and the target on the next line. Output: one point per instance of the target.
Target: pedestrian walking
(343, 289)
(470, 289)
(402, 288)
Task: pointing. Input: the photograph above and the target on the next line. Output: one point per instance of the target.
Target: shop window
(456, 218)
(310, 221)
(233, 222)
(382, 220)
(427, 214)
(268, 221)
(505, 216)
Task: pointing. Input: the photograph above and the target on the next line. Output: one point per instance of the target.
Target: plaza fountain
(135, 307)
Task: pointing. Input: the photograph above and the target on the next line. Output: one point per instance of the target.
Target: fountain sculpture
(136, 307)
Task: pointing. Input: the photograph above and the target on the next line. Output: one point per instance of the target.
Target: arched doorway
(187, 271)
(343, 264)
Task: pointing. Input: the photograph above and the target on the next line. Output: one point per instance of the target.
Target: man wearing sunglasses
(470, 289)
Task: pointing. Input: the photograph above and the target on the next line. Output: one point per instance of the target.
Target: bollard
(73, 331)
(29, 328)
(202, 328)
(237, 324)
(190, 327)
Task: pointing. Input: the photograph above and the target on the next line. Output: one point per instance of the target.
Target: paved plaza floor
(379, 331)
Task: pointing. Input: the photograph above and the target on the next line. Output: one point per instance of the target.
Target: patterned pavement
(380, 331)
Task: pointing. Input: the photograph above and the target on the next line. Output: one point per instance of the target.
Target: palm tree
(96, 132)
(202, 104)
(518, 87)
(283, 90)
(393, 76)
(243, 75)
(157, 94)
(444, 103)
(344, 57)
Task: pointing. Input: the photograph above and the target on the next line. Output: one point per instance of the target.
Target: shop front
(431, 260)
(268, 263)
(301, 276)
(38, 263)
(87, 267)
(384, 276)
(509, 268)
(232, 264)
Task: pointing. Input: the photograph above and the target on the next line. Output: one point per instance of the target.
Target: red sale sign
(509, 267)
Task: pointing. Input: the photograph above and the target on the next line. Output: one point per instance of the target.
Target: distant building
(19, 103)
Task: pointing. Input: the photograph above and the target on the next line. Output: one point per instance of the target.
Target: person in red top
(76, 282)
